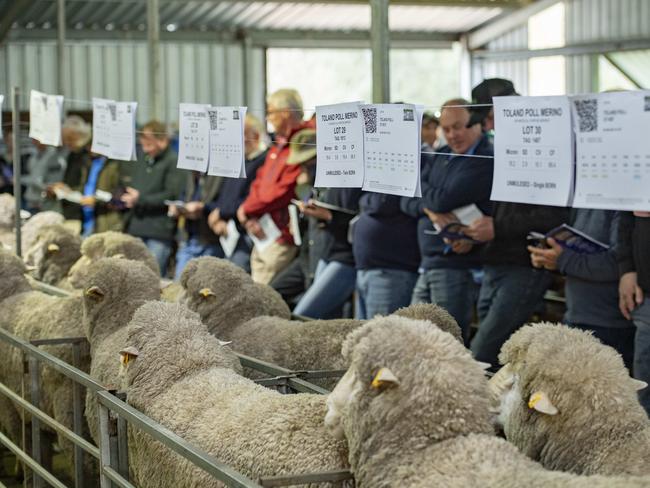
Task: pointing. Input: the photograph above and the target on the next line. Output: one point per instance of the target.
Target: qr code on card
(235, 114)
(370, 120)
(212, 114)
(587, 111)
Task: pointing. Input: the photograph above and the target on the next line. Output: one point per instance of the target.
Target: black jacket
(512, 223)
(634, 248)
(448, 184)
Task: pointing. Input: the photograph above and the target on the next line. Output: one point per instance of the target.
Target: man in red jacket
(274, 186)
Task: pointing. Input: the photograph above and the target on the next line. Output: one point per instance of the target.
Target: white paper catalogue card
(45, 113)
(193, 137)
(613, 150)
(227, 157)
(114, 129)
(533, 150)
(392, 149)
(339, 146)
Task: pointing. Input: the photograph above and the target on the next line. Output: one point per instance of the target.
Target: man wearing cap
(275, 183)
(511, 289)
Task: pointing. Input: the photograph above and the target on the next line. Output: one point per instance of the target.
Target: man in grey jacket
(592, 281)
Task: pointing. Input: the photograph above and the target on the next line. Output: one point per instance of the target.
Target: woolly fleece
(255, 430)
(433, 429)
(601, 428)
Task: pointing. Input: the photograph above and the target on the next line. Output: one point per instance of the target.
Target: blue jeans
(241, 256)
(193, 248)
(333, 284)
(509, 295)
(641, 316)
(382, 291)
(451, 289)
(620, 338)
(161, 250)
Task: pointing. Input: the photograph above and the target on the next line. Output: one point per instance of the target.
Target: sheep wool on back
(114, 289)
(184, 378)
(594, 423)
(32, 315)
(415, 414)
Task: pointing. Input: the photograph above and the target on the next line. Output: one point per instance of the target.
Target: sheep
(30, 315)
(171, 360)
(414, 408)
(55, 250)
(224, 295)
(567, 401)
(225, 298)
(104, 245)
(434, 314)
(114, 289)
(29, 229)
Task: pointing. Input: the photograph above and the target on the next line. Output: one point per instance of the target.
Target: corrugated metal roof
(208, 15)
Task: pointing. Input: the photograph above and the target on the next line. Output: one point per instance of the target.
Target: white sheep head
(408, 382)
(554, 380)
(53, 253)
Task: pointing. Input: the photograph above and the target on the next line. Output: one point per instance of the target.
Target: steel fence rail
(203, 460)
(29, 461)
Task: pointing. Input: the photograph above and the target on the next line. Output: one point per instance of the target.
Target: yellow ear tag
(53, 248)
(124, 359)
(206, 292)
(536, 398)
(384, 378)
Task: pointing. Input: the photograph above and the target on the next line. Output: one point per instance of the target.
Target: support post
(35, 394)
(18, 196)
(466, 69)
(104, 446)
(77, 420)
(380, 47)
(153, 48)
(60, 46)
(247, 72)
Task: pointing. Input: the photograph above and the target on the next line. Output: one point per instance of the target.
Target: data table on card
(612, 150)
(533, 150)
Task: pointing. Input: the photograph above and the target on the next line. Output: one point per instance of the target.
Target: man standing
(459, 178)
(634, 290)
(151, 182)
(274, 187)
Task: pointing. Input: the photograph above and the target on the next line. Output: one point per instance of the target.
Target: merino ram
(180, 375)
(231, 306)
(414, 408)
(567, 401)
(114, 290)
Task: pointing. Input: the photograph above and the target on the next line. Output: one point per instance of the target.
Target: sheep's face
(78, 271)
(337, 402)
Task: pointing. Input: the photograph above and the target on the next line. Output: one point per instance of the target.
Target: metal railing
(115, 414)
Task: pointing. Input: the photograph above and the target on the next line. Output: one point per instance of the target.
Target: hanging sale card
(45, 113)
(392, 149)
(612, 150)
(227, 141)
(339, 139)
(114, 129)
(2, 97)
(193, 137)
(533, 150)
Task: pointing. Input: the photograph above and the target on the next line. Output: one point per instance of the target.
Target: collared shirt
(469, 152)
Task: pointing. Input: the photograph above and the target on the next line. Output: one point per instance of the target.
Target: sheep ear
(224, 343)
(53, 248)
(540, 401)
(128, 354)
(94, 292)
(119, 256)
(30, 267)
(206, 292)
(638, 384)
(484, 366)
(384, 379)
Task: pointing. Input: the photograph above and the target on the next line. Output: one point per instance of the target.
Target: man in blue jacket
(460, 176)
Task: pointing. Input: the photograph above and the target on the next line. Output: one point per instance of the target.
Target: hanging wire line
(450, 154)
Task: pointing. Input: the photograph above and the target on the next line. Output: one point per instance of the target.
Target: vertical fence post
(77, 420)
(122, 443)
(15, 120)
(35, 394)
(104, 445)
